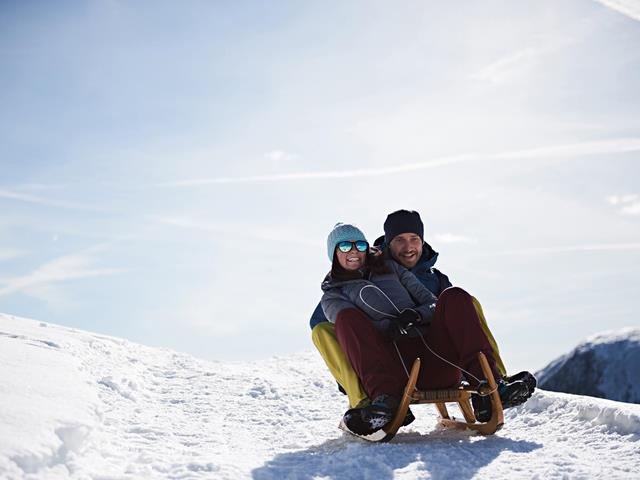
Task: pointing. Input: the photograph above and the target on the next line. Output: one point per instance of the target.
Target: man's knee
(454, 293)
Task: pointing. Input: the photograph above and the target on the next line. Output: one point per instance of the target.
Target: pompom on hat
(402, 221)
(342, 232)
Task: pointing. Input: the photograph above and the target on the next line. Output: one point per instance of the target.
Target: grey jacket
(376, 295)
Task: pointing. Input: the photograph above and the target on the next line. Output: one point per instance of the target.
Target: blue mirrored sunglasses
(346, 246)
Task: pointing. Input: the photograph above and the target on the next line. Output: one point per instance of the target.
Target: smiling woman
(351, 254)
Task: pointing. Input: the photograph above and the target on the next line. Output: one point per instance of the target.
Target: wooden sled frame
(461, 396)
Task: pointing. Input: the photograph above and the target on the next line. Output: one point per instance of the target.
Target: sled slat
(440, 396)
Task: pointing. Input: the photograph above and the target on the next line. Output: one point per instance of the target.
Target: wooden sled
(460, 395)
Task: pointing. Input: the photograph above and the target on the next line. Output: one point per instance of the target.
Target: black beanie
(402, 221)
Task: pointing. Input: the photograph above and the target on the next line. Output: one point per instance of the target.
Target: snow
(79, 405)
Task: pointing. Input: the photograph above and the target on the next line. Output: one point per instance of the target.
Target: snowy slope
(606, 365)
(79, 405)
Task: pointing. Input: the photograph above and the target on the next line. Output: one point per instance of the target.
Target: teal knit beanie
(340, 233)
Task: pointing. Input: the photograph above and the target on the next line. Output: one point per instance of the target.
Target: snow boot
(511, 395)
(341, 389)
(371, 418)
(525, 377)
(408, 418)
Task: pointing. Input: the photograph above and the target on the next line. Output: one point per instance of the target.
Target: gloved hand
(408, 318)
(394, 331)
(400, 325)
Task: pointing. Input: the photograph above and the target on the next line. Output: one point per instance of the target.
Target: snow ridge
(81, 405)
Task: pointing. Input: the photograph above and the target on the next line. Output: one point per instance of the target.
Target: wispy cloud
(630, 8)
(280, 156)
(224, 227)
(633, 209)
(622, 199)
(514, 64)
(629, 204)
(61, 269)
(28, 198)
(571, 248)
(452, 238)
(9, 253)
(287, 177)
(614, 146)
(507, 67)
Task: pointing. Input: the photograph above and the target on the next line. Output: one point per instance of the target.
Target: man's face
(406, 249)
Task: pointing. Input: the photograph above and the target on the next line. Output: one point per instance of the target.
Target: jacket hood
(428, 258)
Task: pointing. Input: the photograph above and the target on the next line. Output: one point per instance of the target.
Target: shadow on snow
(442, 454)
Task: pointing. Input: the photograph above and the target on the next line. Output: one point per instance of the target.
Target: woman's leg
(371, 355)
(324, 338)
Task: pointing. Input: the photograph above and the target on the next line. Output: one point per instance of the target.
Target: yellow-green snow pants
(494, 345)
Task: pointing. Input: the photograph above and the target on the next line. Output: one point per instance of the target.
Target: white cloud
(520, 62)
(22, 197)
(630, 8)
(240, 229)
(41, 186)
(621, 199)
(633, 209)
(452, 238)
(68, 267)
(507, 67)
(571, 248)
(621, 145)
(280, 156)
(9, 253)
(284, 177)
(630, 204)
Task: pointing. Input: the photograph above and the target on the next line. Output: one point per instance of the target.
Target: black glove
(407, 319)
(399, 326)
(394, 331)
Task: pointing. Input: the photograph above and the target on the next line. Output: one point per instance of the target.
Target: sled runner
(460, 395)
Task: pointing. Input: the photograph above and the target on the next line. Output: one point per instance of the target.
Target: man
(404, 242)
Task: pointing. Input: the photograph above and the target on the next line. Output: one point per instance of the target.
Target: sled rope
(384, 295)
(419, 333)
(404, 365)
(456, 366)
(401, 360)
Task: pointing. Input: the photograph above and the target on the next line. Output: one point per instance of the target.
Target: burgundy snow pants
(455, 334)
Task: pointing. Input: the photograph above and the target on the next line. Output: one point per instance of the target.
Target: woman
(385, 318)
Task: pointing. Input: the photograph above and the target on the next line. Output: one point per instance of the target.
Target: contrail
(571, 248)
(283, 177)
(22, 197)
(68, 267)
(577, 149)
(630, 8)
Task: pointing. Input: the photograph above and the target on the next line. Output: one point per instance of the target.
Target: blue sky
(169, 171)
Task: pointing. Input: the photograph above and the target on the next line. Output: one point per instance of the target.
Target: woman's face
(351, 260)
